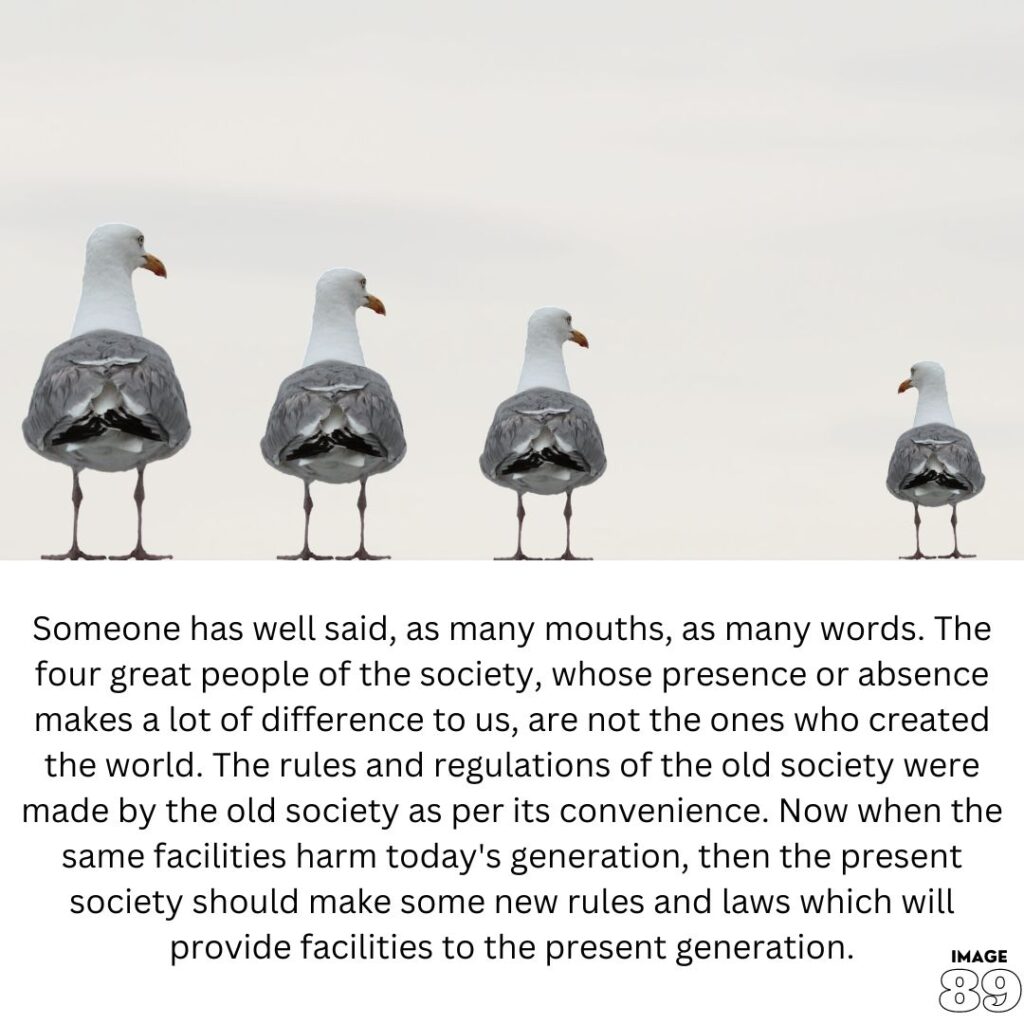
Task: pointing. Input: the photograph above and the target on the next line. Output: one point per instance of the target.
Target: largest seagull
(108, 399)
(544, 439)
(335, 421)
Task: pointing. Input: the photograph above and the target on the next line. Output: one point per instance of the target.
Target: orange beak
(155, 266)
(375, 304)
(905, 386)
(580, 338)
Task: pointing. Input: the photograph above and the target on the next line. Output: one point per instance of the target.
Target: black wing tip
(80, 430)
(321, 444)
(535, 459)
(951, 483)
(93, 426)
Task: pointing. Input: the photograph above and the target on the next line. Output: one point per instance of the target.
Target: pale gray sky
(760, 214)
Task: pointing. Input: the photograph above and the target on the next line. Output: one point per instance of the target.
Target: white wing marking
(110, 361)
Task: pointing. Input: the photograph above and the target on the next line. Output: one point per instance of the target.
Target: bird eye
(362, 282)
(141, 240)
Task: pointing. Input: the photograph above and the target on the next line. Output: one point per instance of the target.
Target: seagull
(108, 399)
(335, 420)
(933, 463)
(544, 439)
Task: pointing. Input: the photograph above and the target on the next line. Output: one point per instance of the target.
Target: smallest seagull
(544, 439)
(933, 464)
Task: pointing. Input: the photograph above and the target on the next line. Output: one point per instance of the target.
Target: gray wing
(952, 447)
(306, 398)
(519, 419)
(75, 372)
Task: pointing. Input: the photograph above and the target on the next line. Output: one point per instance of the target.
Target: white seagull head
(553, 324)
(347, 287)
(120, 247)
(924, 375)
